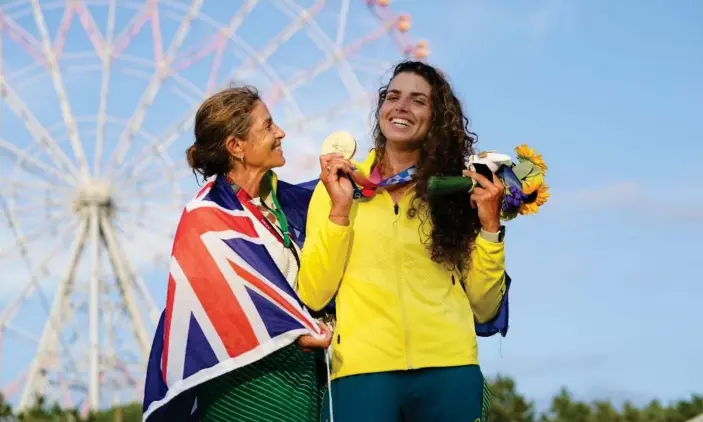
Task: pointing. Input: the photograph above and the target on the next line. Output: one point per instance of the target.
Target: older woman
(410, 274)
(228, 336)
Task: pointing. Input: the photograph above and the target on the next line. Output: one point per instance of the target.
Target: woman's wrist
(339, 214)
(492, 227)
(340, 220)
(340, 210)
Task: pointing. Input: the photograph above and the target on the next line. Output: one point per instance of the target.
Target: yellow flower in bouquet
(525, 153)
(532, 181)
(533, 207)
(524, 180)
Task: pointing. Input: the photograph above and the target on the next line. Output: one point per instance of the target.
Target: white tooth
(401, 122)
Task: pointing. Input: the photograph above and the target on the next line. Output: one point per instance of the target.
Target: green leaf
(535, 171)
(523, 169)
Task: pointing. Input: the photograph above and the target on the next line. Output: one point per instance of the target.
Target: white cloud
(633, 197)
(618, 193)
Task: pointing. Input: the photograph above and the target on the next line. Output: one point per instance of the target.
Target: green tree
(689, 409)
(41, 411)
(565, 409)
(5, 408)
(679, 411)
(655, 412)
(507, 404)
(128, 413)
(603, 411)
(630, 413)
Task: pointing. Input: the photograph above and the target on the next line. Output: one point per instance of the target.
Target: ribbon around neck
(365, 187)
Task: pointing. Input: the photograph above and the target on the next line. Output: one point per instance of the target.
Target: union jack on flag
(228, 303)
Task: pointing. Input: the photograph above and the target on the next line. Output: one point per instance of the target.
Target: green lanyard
(281, 217)
(277, 211)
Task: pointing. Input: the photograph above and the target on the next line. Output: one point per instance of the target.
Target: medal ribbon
(366, 188)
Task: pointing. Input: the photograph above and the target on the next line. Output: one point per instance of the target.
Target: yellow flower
(533, 207)
(524, 152)
(532, 183)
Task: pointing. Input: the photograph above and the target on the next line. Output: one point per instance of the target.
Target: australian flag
(228, 304)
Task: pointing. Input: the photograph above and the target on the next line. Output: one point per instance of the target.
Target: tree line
(508, 405)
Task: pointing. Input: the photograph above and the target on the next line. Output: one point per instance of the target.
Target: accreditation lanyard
(246, 200)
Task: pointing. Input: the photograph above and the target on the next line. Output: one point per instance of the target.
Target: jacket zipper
(403, 316)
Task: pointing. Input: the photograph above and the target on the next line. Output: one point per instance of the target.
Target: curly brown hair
(225, 113)
(452, 225)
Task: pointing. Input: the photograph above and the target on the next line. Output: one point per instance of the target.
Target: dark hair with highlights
(452, 225)
(226, 113)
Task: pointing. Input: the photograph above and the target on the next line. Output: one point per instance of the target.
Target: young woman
(234, 335)
(410, 274)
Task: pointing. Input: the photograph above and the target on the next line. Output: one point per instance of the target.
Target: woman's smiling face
(262, 147)
(406, 112)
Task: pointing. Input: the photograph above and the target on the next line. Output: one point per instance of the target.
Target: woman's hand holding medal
(337, 149)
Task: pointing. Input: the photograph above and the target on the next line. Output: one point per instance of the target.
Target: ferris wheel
(96, 109)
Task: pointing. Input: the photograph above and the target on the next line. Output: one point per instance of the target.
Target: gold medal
(340, 143)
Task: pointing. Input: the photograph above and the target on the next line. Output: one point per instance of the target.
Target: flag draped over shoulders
(228, 304)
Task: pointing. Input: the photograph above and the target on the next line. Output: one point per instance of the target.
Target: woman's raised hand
(333, 174)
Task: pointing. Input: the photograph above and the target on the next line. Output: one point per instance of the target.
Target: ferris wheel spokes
(159, 75)
(23, 38)
(23, 157)
(219, 40)
(91, 28)
(36, 274)
(96, 230)
(94, 305)
(124, 275)
(37, 131)
(123, 193)
(106, 57)
(254, 59)
(71, 127)
(51, 329)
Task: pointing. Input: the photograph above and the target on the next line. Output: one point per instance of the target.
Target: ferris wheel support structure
(94, 206)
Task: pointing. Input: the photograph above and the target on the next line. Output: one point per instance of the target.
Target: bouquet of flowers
(525, 187)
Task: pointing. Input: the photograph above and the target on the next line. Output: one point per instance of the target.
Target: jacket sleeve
(485, 282)
(324, 253)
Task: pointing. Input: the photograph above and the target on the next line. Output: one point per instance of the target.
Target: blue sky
(606, 276)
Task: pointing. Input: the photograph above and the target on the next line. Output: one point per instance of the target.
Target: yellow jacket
(396, 308)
